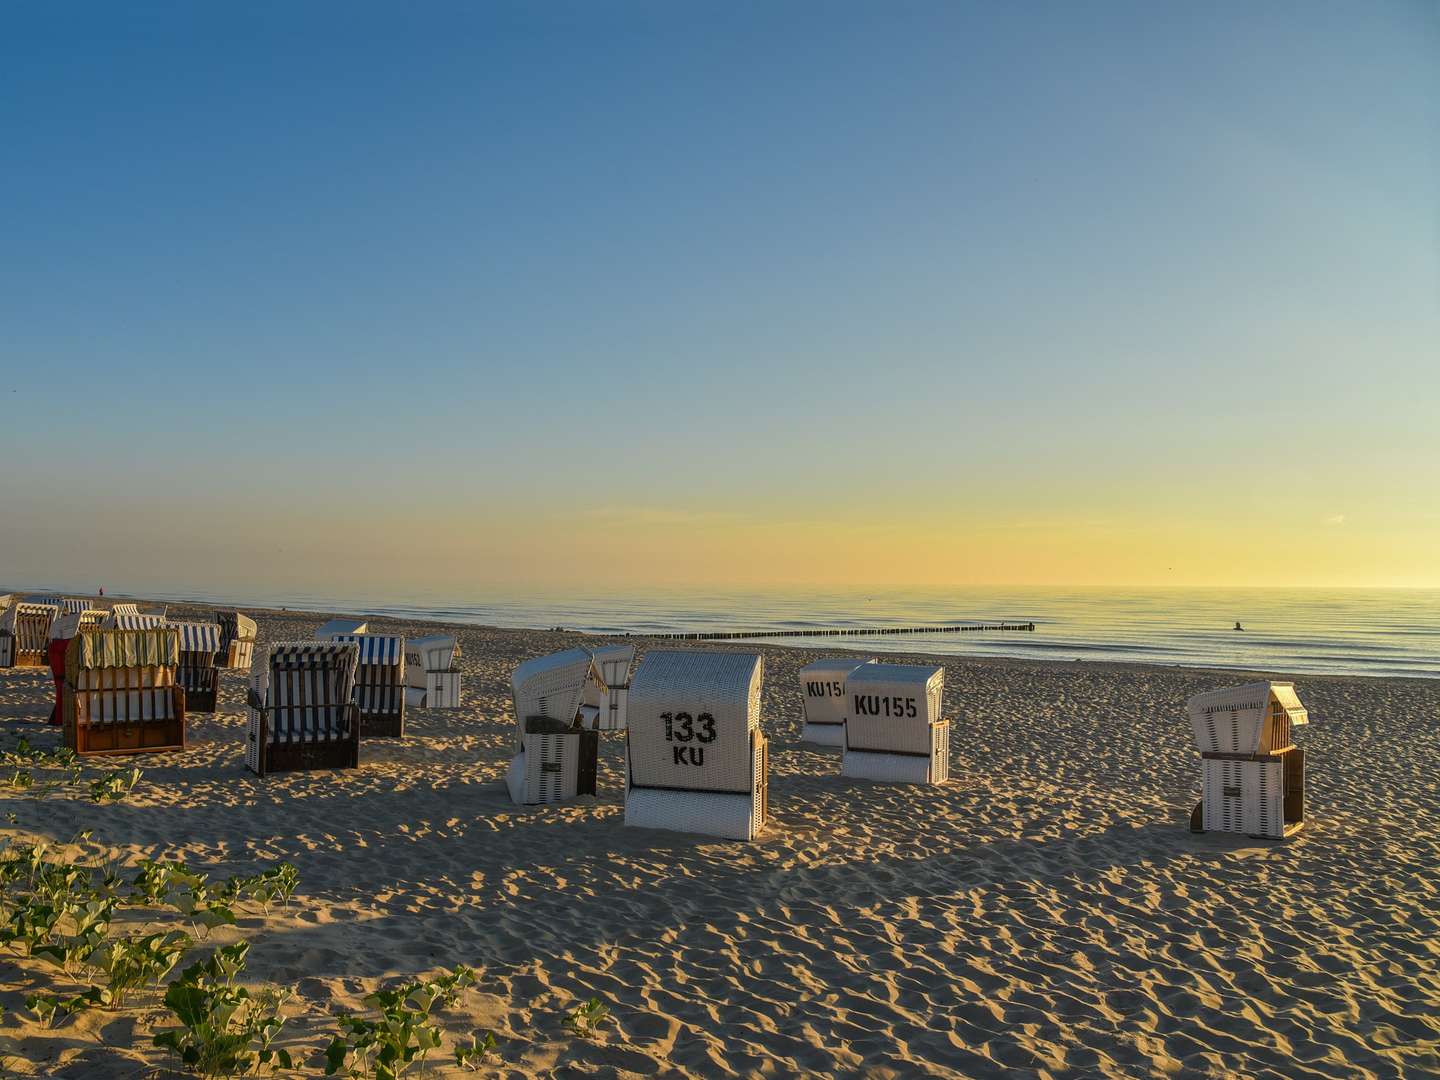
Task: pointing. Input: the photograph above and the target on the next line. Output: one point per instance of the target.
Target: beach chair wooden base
(92, 738)
(902, 767)
(823, 734)
(264, 757)
(382, 725)
(7, 651)
(554, 764)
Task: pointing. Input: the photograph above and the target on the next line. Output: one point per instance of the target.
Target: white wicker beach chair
(611, 693)
(432, 672)
(1252, 773)
(302, 711)
(696, 758)
(379, 683)
(336, 628)
(237, 640)
(25, 633)
(554, 726)
(894, 731)
(120, 692)
(826, 702)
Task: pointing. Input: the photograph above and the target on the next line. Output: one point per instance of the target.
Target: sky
(463, 295)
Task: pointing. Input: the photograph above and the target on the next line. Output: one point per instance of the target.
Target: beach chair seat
(894, 732)
(432, 672)
(25, 634)
(696, 759)
(379, 683)
(198, 672)
(301, 708)
(121, 696)
(1252, 775)
(237, 641)
(822, 688)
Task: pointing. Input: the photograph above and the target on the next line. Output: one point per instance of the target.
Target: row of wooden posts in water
(742, 635)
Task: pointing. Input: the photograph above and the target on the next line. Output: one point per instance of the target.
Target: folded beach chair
(1252, 774)
(611, 694)
(696, 758)
(379, 683)
(894, 730)
(197, 672)
(557, 748)
(302, 711)
(432, 673)
(62, 629)
(341, 628)
(237, 640)
(24, 634)
(826, 701)
(120, 692)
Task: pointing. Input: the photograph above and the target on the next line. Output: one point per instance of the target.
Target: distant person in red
(102, 590)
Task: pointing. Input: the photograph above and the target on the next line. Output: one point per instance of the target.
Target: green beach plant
(403, 1034)
(584, 1020)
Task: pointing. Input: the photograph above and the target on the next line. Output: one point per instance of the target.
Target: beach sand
(1045, 913)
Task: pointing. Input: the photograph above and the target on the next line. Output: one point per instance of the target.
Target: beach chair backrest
(694, 719)
(125, 609)
(434, 652)
(309, 687)
(892, 707)
(29, 624)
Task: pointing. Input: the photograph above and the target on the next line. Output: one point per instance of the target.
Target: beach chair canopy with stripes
(25, 632)
(379, 682)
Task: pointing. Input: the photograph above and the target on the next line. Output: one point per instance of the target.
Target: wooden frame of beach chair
(379, 684)
(826, 701)
(120, 692)
(1252, 775)
(551, 713)
(696, 759)
(894, 731)
(197, 671)
(432, 673)
(237, 640)
(25, 634)
(301, 708)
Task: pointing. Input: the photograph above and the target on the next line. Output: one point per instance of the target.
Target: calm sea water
(1366, 632)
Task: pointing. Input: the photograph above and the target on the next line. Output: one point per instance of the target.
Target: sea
(1382, 632)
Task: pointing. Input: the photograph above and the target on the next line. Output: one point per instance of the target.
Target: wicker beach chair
(25, 633)
(62, 629)
(432, 672)
(336, 628)
(237, 641)
(696, 758)
(822, 685)
(301, 708)
(379, 683)
(125, 620)
(197, 672)
(612, 692)
(894, 731)
(120, 692)
(557, 748)
(125, 609)
(1252, 773)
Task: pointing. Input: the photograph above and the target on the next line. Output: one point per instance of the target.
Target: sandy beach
(1046, 913)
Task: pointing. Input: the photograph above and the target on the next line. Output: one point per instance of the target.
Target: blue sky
(787, 265)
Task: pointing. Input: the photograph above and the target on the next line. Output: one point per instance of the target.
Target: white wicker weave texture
(826, 700)
(552, 686)
(691, 718)
(1245, 719)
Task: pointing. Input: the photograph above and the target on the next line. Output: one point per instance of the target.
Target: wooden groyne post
(864, 631)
